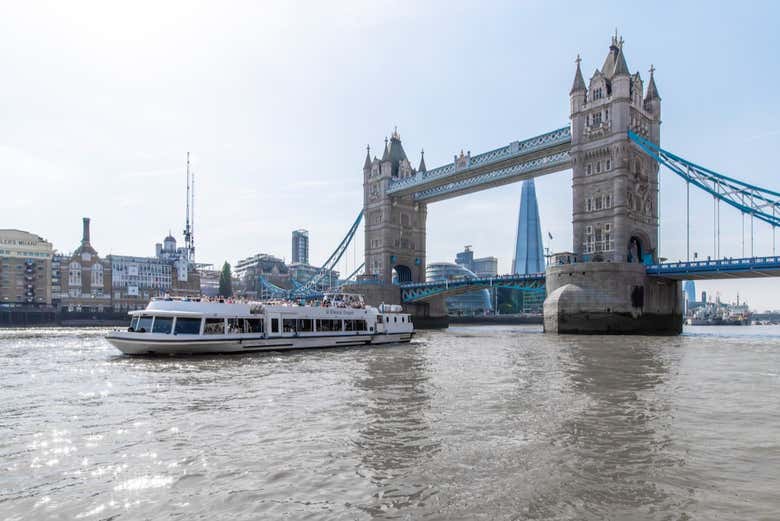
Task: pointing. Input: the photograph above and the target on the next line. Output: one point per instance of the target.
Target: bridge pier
(611, 298)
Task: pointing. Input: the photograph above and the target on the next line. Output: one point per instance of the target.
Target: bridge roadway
(543, 154)
(752, 267)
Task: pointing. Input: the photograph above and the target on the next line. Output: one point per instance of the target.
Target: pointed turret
(652, 90)
(579, 83)
(367, 163)
(620, 63)
(395, 152)
(386, 154)
(615, 62)
(422, 167)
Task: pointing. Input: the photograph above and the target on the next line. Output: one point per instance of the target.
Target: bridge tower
(615, 185)
(394, 226)
(615, 211)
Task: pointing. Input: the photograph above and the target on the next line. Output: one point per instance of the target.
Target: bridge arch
(402, 273)
(638, 247)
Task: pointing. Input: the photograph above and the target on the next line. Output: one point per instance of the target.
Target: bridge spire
(367, 163)
(422, 167)
(652, 90)
(579, 82)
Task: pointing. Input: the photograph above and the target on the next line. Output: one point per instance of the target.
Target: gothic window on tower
(598, 167)
(596, 119)
(589, 204)
(588, 169)
(609, 165)
(589, 240)
(598, 202)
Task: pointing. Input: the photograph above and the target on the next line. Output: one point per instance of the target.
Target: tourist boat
(170, 326)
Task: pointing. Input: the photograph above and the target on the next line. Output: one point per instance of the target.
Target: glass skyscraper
(529, 253)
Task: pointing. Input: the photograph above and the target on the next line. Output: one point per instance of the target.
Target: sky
(276, 102)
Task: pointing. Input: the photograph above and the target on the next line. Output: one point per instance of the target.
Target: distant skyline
(276, 102)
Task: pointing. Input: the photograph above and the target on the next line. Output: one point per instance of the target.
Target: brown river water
(490, 422)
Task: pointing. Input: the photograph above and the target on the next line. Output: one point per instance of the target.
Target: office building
(473, 303)
(529, 252)
(300, 247)
(482, 267)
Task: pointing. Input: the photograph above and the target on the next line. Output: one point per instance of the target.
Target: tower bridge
(616, 282)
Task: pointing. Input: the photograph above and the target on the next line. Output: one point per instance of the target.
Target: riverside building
(25, 269)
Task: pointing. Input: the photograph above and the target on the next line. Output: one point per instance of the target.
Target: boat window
(379, 319)
(144, 324)
(235, 326)
(349, 325)
(360, 325)
(402, 319)
(214, 326)
(395, 319)
(253, 325)
(133, 324)
(162, 325)
(187, 326)
(288, 325)
(305, 325)
(328, 325)
(274, 325)
(409, 319)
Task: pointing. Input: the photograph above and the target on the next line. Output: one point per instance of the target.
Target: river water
(470, 423)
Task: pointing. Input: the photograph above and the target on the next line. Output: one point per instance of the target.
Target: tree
(226, 281)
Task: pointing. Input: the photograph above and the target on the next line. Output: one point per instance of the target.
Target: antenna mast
(192, 219)
(187, 229)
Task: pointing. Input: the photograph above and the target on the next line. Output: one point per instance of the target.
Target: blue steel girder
(421, 291)
(761, 203)
(500, 159)
(751, 267)
(330, 264)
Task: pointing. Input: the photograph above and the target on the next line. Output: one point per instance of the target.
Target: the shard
(529, 254)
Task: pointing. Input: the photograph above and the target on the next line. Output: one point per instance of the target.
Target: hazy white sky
(277, 100)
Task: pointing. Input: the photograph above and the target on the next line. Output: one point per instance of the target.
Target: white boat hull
(163, 344)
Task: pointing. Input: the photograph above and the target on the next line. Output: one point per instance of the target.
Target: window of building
(214, 326)
(589, 204)
(274, 325)
(609, 165)
(598, 167)
(162, 325)
(74, 274)
(588, 169)
(187, 326)
(598, 202)
(97, 275)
